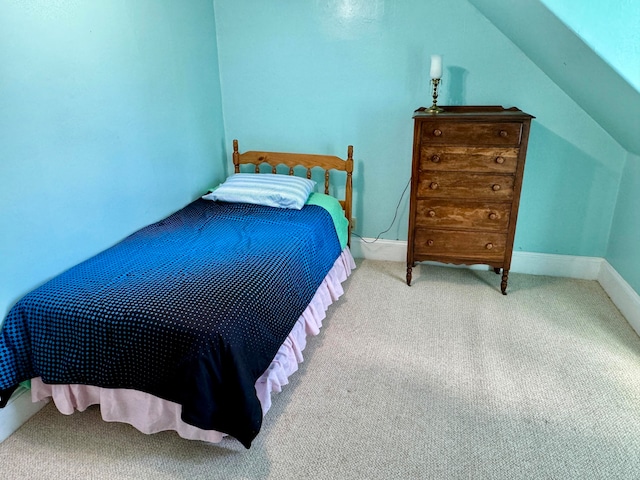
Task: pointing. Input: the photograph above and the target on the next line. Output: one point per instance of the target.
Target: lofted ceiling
(572, 64)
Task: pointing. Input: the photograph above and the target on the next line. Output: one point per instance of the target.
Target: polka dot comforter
(191, 309)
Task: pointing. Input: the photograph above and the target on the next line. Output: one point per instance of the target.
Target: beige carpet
(444, 379)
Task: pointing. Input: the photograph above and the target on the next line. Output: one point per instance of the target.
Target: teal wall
(572, 63)
(611, 28)
(110, 118)
(317, 76)
(624, 245)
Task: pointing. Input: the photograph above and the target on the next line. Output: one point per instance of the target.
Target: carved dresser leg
(505, 279)
(409, 269)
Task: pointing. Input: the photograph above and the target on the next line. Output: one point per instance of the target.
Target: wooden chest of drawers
(466, 178)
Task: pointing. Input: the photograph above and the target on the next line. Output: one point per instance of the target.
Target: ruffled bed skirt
(151, 414)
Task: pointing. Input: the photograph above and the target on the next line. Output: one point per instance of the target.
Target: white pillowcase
(272, 190)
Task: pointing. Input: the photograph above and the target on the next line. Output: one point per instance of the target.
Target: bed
(192, 322)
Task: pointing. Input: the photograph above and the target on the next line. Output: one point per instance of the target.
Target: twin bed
(192, 322)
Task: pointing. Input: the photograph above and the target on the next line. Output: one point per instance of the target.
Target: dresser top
(473, 111)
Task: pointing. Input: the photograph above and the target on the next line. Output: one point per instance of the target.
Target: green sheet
(332, 205)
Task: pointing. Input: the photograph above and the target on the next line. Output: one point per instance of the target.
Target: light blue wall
(110, 118)
(624, 246)
(317, 76)
(611, 28)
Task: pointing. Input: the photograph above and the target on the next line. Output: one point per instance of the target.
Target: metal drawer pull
(504, 133)
(437, 132)
(434, 186)
(432, 213)
(435, 158)
(430, 243)
(500, 160)
(493, 215)
(496, 187)
(489, 246)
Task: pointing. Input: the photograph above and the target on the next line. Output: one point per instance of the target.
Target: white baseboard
(389, 250)
(623, 296)
(19, 409)
(587, 268)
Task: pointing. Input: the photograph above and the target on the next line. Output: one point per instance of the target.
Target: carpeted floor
(445, 379)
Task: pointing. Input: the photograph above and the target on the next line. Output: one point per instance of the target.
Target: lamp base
(434, 109)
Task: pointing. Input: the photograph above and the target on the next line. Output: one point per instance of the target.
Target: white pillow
(272, 190)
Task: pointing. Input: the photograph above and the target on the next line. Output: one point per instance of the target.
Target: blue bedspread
(191, 309)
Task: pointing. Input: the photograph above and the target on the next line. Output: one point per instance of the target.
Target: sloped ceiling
(586, 77)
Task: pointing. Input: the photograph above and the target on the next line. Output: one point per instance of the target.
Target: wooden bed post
(236, 157)
(348, 191)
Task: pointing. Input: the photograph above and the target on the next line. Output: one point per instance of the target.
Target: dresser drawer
(471, 133)
(443, 213)
(480, 159)
(480, 246)
(473, 186)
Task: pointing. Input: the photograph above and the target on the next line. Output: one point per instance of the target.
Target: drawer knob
(434, 186)
(437, 132)
(431, 213)
(430, 243)
(500, 160)
(504, 133)
(489, 246)
(496, 187)
(493, 215)
(435, 158)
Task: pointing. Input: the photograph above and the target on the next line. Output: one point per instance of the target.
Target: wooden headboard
(304, 160)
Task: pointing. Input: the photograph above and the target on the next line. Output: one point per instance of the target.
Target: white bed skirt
(151, 414)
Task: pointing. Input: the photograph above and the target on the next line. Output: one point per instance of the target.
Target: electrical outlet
(353, 223)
